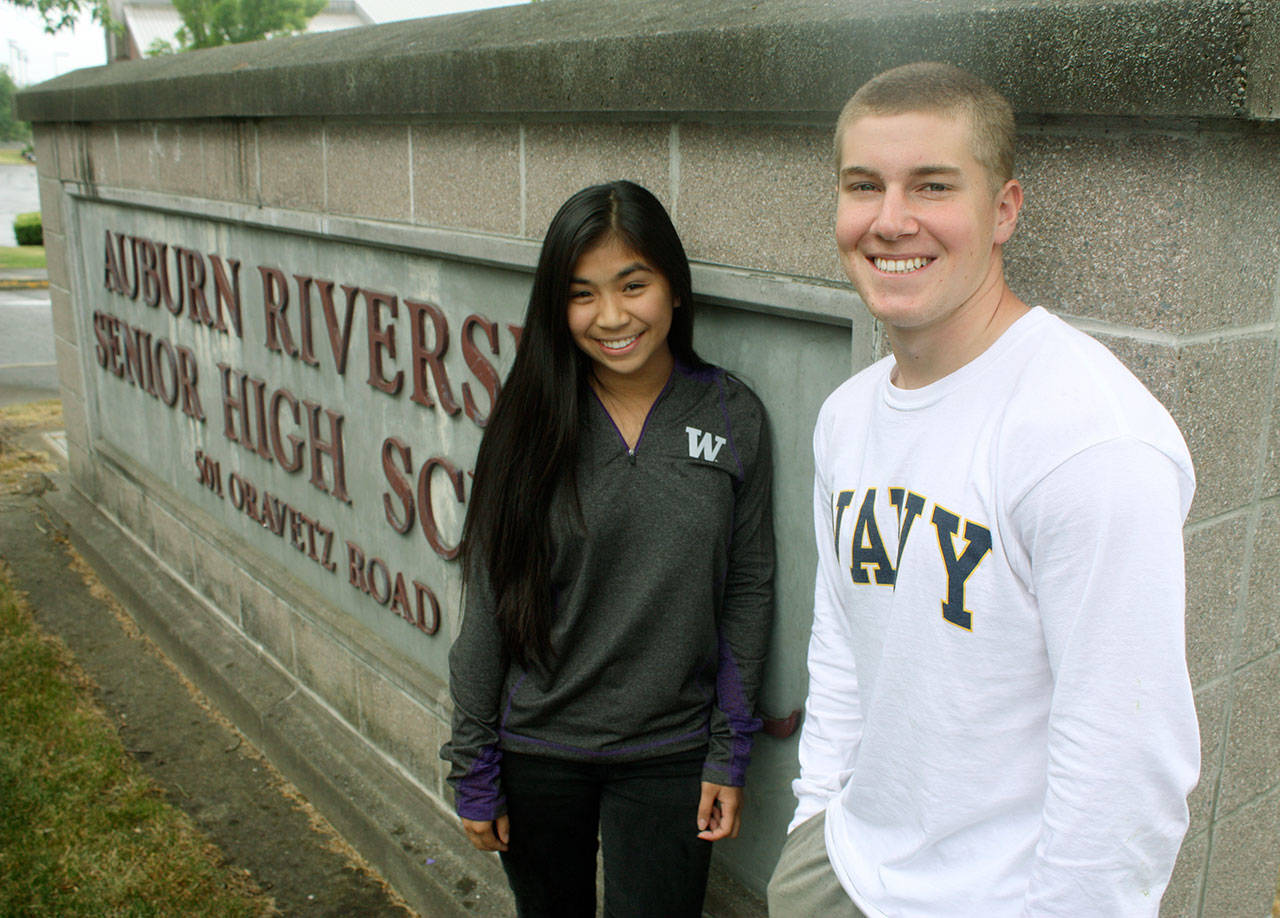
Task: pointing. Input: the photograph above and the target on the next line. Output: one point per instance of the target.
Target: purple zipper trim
(632, 450)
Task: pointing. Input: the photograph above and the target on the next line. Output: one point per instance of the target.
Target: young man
(999, 720)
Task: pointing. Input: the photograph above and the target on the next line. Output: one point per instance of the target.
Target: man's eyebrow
(917, 172)
(936, 170)
(858, 170)
(629, 269)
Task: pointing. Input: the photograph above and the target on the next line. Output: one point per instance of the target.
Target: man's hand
(719, 812)
(490, 835)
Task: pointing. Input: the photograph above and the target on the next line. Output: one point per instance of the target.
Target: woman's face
(619, 313)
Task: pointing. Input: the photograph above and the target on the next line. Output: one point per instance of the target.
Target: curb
(23, 283)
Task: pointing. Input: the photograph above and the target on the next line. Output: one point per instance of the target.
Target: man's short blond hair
(937, 88)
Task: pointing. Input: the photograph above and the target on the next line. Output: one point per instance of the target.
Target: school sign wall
(288, 280)
(328, 422)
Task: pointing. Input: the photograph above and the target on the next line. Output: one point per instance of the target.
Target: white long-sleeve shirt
(1000, 721)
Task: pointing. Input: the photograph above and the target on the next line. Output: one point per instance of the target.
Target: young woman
(618, 569)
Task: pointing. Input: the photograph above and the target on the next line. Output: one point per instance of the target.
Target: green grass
(82, 831)
(22, 256)
(13, 158)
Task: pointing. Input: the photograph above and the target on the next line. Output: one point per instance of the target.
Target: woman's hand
(490, 835)
(719, 812)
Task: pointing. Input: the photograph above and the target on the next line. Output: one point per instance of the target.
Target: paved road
(19, 194)
(27, 360)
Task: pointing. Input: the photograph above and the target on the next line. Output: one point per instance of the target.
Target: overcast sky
(34, 56)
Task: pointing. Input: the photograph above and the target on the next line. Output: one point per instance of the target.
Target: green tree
(10, 127)
(61, 14)
(208, 23)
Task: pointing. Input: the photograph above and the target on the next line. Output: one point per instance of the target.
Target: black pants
(646, 814)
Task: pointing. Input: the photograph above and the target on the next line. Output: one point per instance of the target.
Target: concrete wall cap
(634, 59)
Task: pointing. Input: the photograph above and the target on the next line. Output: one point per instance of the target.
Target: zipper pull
(631, 453)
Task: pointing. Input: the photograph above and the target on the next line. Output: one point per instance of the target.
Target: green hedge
(28, 229)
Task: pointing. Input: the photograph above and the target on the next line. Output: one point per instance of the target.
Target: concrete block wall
(1151, 222)
(1154, 239)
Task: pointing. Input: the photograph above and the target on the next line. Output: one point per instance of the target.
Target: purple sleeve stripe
(478, 796)
(740, 758)
(728, 427)
(733, 701)
(716, 766)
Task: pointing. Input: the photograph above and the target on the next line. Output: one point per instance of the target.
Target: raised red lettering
(424, 358)
(426, 513)
(187, 379)
(400, 599)
(235, 487)
(355, 567)
(339, 337)
(121, 274)
(197, 306)
(168, 394)
(233, 404)
(101, 324)
(149, 270)
(275, 300)
(296, 522)
(381, 592)
(272, 513)
(381, 338)
(480, 366)
(259, 387)
(308, 351)
(394, 446)
(290, 462)
(331, 448)
(226, 293)
(111, 269)
(174, 306)
(426, 623)
(137, 353)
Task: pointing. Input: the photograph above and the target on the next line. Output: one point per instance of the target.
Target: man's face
(918, 221)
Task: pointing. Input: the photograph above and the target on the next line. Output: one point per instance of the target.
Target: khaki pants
(803, 884)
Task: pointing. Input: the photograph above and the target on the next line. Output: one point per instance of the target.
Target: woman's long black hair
(529, 451)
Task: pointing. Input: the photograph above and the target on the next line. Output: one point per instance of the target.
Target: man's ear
(1008, 203)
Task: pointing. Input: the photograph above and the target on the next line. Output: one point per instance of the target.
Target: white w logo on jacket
(701, 446)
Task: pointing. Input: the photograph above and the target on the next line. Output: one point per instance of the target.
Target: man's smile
(899, 265)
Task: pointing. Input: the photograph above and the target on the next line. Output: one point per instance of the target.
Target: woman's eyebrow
(629, 269)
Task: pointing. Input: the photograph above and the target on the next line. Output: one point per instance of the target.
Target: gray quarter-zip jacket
(663, 603)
